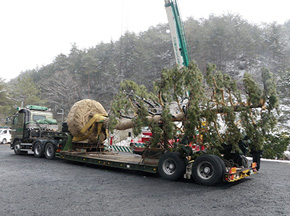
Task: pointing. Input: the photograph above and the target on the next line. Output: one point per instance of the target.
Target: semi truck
(35, 130)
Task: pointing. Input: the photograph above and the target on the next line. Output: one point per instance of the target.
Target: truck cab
(31, 121)
(35, 129)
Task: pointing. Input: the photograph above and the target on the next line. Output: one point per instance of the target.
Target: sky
(34, 32)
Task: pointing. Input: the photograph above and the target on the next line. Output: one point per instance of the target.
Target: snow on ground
(279, 161)
(271, 160)
(284, 107)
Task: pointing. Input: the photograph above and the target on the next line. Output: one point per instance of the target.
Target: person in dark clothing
(257, 157)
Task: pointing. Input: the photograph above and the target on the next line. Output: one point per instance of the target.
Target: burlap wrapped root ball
(80, 114)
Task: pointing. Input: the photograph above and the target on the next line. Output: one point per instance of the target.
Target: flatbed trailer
(206, 169)
(112, 159)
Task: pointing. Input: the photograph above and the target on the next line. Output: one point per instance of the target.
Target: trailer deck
(112, 159)
(136, 162)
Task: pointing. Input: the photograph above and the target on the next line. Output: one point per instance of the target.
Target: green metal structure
(177, 33)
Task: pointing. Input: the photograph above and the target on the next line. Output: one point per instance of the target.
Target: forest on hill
(230, 42)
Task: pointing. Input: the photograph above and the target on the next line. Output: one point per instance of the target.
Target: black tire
(38, 151)
(4, 141)
(17, 147)
(49, 151)
(207, 170)
(171, 166)
(239, 160)
(244, 162)
(222, 164)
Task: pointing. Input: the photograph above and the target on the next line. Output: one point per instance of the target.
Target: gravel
(33, 186)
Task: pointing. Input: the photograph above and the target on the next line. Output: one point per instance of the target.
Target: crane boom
(177, 33)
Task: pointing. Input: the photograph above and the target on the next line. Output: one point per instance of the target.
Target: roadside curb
(271, 160)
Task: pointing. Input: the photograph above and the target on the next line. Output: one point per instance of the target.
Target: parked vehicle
(5, 135)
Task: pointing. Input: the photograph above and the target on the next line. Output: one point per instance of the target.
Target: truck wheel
(222, 164)
(171, 166)
(207, 170)
(239, 160)
(49, 151)
(37, 150)
(244, 162)
(17, 150)
(4, 141)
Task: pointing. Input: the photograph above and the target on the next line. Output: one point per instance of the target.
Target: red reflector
(233, 170)
(254, 165)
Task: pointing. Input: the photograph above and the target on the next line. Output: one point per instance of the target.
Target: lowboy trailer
(33, 130)
(206, 169)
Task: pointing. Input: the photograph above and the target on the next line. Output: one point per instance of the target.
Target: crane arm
(177, 33)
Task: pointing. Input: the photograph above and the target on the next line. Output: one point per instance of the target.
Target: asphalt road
(32, 186)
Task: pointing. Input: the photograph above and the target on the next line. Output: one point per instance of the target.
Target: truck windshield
(38, 117)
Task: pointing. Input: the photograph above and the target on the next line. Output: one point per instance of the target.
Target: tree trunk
(125, 124)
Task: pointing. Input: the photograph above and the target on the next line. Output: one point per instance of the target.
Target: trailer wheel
(222, 163)
(244, 160)
(49, 151)
(17, 150)
(207, 170)
(171, 166)
(37, 150)
(239, 160)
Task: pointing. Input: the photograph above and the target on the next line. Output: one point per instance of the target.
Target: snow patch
(271, 160)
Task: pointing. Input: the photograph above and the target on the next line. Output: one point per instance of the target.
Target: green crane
(177, 33)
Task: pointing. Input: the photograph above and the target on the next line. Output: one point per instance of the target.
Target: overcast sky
(34, 32)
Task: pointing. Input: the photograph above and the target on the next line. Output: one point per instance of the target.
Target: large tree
(61, 91)
(209, 108)
(4, 102)
(24, 91)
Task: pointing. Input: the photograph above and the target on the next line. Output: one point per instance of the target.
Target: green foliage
(157, 134)
(275, 145)
(270, 89)
(193, 86)
(283, 87)
(228, 41)
(258, 123)
(213, 109)
(129, 103)
(26, 91)
(5, 101)
(3, 92)
(252, 89)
